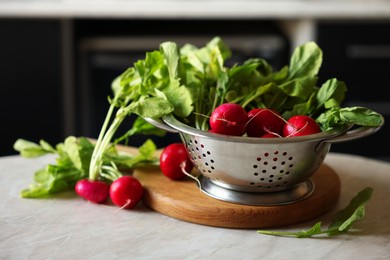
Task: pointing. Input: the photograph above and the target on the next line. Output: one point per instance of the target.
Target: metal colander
(251, 170)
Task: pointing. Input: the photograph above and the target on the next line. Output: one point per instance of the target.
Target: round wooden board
(183, 200)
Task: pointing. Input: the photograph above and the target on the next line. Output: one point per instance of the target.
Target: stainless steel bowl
(250, 170)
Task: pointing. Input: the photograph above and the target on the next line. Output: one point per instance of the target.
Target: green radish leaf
(342, 220)
(146, 155)
(302, 87)
(180, 98)
(331, 94)
(30, 149)
(171, 53)
(335, 117)
(306, 61)
(152, 107)
(72, 149)
(140, 126)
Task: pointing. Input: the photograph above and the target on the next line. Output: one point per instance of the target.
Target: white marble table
(66, 227)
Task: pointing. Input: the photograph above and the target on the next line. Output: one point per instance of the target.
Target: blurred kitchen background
(58, 58)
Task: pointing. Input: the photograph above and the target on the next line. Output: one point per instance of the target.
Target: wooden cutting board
(183, 200)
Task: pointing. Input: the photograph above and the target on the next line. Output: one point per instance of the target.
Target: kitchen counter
(66, 226)
(300, 9)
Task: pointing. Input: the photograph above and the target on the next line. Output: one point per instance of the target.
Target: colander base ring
(296, 193)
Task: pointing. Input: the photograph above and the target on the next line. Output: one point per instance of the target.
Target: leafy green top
(190, 82)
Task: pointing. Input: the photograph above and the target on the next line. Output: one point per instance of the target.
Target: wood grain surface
(184, 200)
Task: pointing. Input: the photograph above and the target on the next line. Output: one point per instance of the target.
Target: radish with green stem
(94, 191)
(126, 192)
(136, 92)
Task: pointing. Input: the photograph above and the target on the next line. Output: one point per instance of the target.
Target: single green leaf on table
(341, 222)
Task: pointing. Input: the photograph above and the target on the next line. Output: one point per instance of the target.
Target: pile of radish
(232, 119)
(125, 192)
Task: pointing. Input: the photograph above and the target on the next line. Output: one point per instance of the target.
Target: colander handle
(353, 134)
(157, 122)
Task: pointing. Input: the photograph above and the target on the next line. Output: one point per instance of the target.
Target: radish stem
(104, 140)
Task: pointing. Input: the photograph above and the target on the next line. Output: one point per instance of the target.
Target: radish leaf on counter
(341, 222)
(72, 163)
(30, 149)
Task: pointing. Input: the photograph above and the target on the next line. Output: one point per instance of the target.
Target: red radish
(126, 192)
(300, 125)
(94, 191)
(172, 159)
(229, 119)
(262, 121)
(271, 135)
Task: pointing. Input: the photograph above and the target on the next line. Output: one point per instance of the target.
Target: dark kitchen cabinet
(30, 78)
(359, 54)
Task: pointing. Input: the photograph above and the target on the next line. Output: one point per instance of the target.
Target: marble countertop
(65, 226)
(277, 9)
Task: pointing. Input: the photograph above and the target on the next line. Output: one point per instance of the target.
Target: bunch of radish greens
(191, 82)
